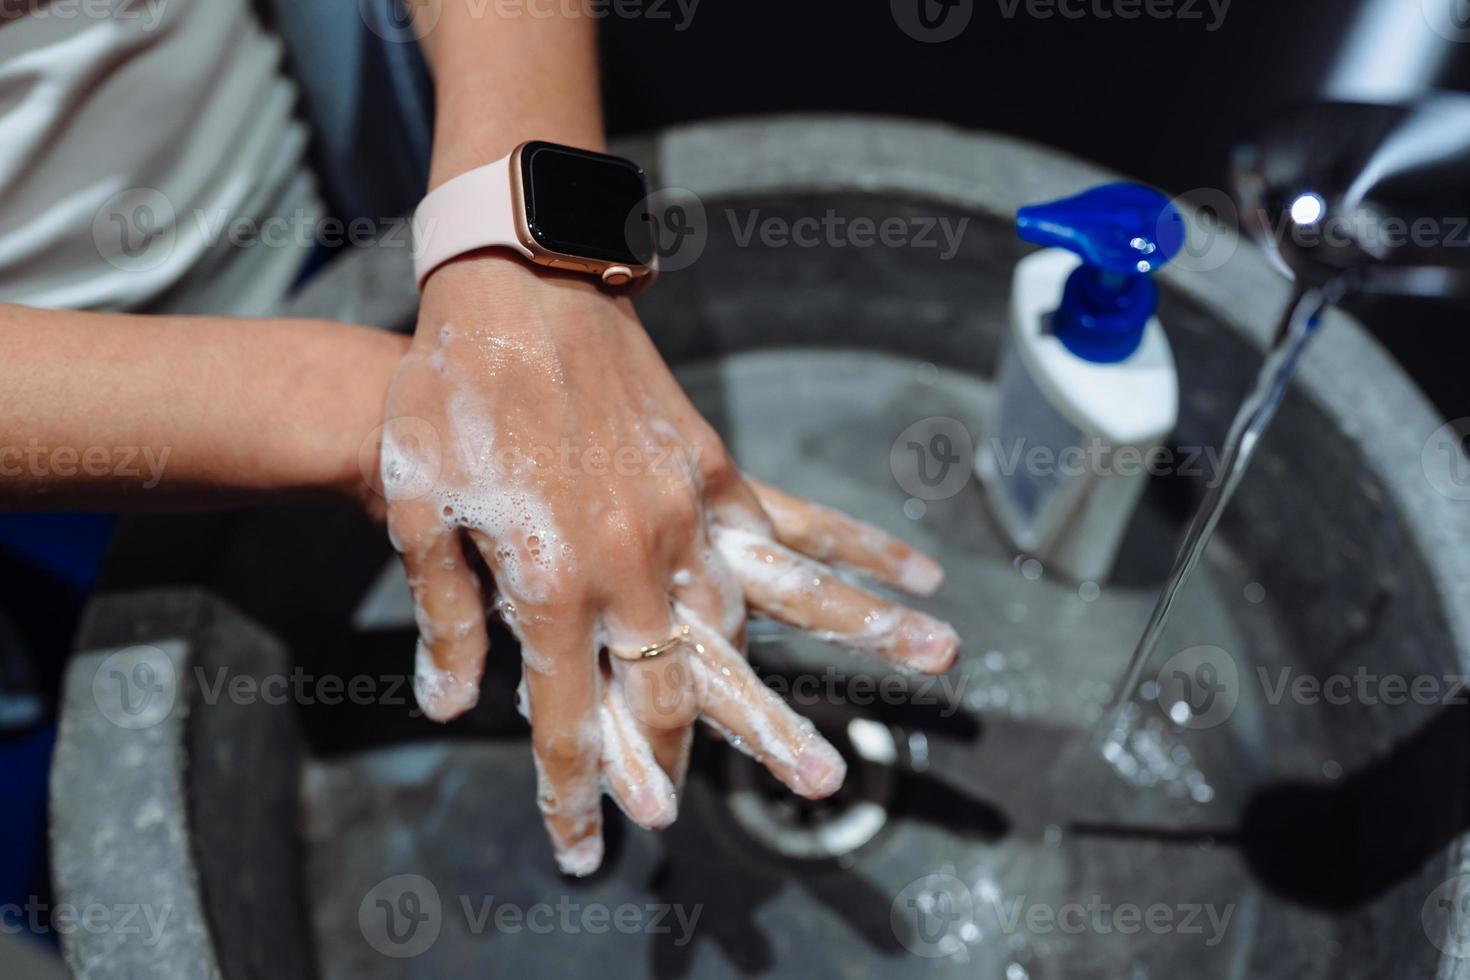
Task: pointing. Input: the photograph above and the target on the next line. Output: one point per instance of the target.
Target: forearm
(130, 410)
(503, 78)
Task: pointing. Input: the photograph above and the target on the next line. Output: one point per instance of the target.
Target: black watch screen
(584, 203)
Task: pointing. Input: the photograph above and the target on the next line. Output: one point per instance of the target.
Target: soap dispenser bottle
(1087, 388)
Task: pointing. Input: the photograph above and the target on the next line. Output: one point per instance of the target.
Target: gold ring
(657, 649)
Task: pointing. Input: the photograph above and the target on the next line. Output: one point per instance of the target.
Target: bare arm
(147, 411)
(503, 79)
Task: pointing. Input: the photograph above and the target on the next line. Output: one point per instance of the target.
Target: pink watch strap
(472, 211)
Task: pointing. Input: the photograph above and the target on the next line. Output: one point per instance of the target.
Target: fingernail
(440, 694)
(820, 770)
(653, 809)
(582, 858)
(932, 644)
(921, 575)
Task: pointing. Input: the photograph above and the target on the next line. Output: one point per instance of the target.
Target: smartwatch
(555, 205)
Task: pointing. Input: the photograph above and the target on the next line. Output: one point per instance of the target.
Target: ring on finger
(652, 650)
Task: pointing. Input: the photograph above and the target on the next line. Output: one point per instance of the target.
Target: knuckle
(561, 751)
(410, 535)
(632, 535)
(680, 515)
(716, 465)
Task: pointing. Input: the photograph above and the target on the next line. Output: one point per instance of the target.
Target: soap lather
(1087, 384)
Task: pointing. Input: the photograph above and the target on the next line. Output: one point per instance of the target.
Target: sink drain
(816, 830)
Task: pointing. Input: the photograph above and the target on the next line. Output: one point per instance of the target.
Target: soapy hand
(533, 433)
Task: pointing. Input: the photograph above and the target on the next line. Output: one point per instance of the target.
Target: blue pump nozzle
(1123, 232)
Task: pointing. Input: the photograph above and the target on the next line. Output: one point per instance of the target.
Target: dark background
(1162, 101)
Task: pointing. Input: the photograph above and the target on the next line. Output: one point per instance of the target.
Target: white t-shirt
(149, 158)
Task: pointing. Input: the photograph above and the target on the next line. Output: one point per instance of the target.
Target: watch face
(580, 203)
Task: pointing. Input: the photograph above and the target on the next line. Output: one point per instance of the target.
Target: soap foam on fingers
(637, 783)
(805, 594)
(755, 720)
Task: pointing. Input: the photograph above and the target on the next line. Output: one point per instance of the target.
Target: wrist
(501, 292)
(462, 144)
(338, 410)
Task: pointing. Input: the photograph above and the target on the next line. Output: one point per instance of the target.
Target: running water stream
(1294, 333)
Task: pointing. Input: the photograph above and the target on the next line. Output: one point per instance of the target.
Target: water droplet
(1031, 569)
(1089, 591)
(1255, 593)
(914, 508)
(1331, 769)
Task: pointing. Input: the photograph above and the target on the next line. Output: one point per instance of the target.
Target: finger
(656, 687)
(807, 595)
(756, 720)
(562, 699)
(566, 745)
(831, 536)
(636, 779)
(662, 702)
(450, 613)
(732, 503)
(706, 585)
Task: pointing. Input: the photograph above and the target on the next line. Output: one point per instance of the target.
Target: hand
(533, 433)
